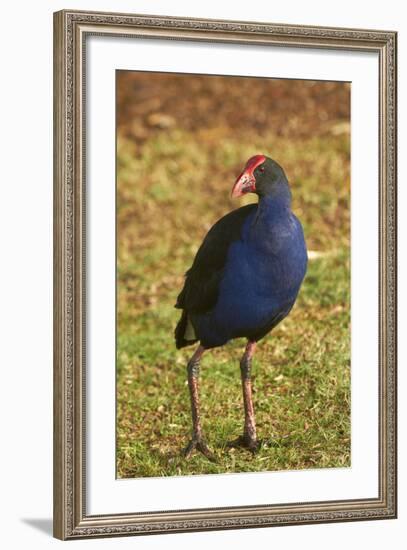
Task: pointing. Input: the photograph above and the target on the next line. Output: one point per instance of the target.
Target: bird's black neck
(278, 198)
(273, 218)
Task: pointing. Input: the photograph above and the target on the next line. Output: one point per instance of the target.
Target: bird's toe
(247, 442)
(199, 444)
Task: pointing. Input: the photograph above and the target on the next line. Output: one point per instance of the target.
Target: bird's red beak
(246, 182)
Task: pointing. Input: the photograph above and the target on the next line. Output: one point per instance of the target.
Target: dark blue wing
(201, 287)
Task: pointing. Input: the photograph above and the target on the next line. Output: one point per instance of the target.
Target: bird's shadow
(45, 525)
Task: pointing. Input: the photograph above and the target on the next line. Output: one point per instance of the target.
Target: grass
(171, 189)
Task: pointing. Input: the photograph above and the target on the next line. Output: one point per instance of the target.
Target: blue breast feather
(261, 279)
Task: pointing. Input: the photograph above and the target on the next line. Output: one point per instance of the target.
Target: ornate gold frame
(70, 31)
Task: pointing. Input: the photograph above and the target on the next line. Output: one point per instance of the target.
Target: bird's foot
(246, 441)
(198, 443)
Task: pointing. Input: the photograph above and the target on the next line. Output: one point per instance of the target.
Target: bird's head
(261, 175)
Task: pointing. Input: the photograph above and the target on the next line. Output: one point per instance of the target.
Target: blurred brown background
(150, 101)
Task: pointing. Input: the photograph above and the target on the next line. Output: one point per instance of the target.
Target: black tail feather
(180, 329)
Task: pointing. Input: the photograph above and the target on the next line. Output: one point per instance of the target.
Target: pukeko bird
(243, 281)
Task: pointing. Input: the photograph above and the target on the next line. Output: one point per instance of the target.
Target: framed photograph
(225, 274)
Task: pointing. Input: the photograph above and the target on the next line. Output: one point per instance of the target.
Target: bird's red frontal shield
(246, 182)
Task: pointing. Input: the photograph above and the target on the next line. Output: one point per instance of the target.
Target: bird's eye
(261, 168)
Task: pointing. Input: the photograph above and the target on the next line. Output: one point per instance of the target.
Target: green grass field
(172, 186)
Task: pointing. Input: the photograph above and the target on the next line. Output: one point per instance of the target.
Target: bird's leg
(249, 434)
(197, 442)
(249, 438)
